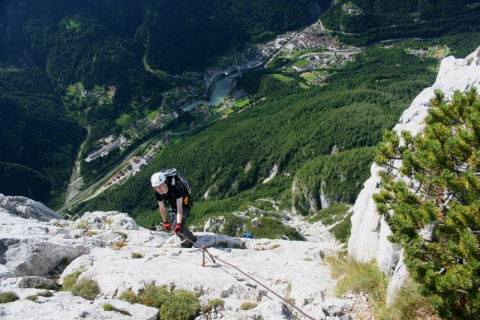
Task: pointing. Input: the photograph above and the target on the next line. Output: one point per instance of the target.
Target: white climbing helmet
(157, 179)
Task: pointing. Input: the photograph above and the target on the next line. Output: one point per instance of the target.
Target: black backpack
(175, 176)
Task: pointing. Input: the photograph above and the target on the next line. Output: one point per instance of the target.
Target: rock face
(369, 232)
(27, 208)
(112, 250)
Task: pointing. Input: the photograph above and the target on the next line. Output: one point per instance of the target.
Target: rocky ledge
(39, 250)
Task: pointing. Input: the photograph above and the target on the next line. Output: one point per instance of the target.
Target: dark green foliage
(442, 196)
(342, 230)
(384, 19)
(272, 228)
(39, 140)
(327, 175)
(462, 44)
(185, 34)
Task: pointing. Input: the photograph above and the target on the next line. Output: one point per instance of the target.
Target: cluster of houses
(99, 94)
(350, 8)
(136, 164)
(309, 38)
(110, 143)
(419, 52)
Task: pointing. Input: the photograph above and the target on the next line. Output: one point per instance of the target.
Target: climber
(170, 192)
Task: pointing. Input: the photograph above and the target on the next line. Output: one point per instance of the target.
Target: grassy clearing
(243, 103)
(152, 115)
(330, 215)
(308, 76)
(282, 78)
(301, 63)
(338, 216)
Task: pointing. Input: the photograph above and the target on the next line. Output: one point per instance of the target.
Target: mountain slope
(369, 21)
(56, 45)
(293, 130)
(39, 140)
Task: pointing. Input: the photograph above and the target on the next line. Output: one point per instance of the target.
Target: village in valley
(312, 53)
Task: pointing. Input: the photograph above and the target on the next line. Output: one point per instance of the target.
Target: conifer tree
(430, 197)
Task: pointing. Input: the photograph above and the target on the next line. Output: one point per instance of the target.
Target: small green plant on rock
(129, 296)
(181, 305)
(137, 255)
(40, 294)
(248, 305)
(176, 305)
(6, 297)
(110, 307)
(70, 280)
(214, 305)
(82, 225)
(86, 288)
(122, 234)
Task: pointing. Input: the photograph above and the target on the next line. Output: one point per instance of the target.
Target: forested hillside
(39, 140)
(108, 65)
(368, 21)
(125, 47)
(323, 135)
(185, 34)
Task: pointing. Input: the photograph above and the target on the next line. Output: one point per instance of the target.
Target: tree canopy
(431, 201)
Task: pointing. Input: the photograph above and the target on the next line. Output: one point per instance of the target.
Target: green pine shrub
(443, 165)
